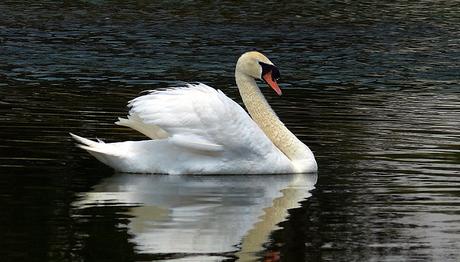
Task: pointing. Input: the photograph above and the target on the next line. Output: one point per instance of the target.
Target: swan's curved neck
(268, 121)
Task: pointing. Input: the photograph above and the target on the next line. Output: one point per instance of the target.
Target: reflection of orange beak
(271, 82)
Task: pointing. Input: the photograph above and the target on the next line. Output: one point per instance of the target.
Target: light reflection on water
(207, 215)
(371, 87)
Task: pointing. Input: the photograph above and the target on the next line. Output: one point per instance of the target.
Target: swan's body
(198, 129)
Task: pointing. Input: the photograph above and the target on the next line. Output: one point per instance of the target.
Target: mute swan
(197, 129)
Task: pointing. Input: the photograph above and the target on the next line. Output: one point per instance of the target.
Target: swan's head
(258, 66)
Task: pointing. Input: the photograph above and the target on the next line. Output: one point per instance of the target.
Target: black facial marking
(275, 73)
(267, 68)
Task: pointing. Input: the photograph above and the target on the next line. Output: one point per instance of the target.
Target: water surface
(372, 87)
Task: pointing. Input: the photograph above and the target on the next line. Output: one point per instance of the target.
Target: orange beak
(271, 82)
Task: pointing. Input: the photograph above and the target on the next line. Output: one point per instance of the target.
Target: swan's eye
(266, 68)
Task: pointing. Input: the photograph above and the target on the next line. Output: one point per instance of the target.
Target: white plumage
(195, 129)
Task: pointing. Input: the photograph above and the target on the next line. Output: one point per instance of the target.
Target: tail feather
(85, 141)
(105, 153)
(97, 150)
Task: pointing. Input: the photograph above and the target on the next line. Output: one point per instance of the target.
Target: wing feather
(199, 117)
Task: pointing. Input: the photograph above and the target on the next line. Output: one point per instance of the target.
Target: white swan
(197, 129)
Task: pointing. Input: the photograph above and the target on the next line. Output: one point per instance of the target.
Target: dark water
(372, 87)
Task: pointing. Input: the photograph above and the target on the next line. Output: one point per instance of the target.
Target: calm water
(372, 88)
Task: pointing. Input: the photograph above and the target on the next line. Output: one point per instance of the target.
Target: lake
(372, 87)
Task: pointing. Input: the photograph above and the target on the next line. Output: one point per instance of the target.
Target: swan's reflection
(202, 214)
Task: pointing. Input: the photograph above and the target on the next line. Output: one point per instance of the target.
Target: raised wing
(198, 117)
